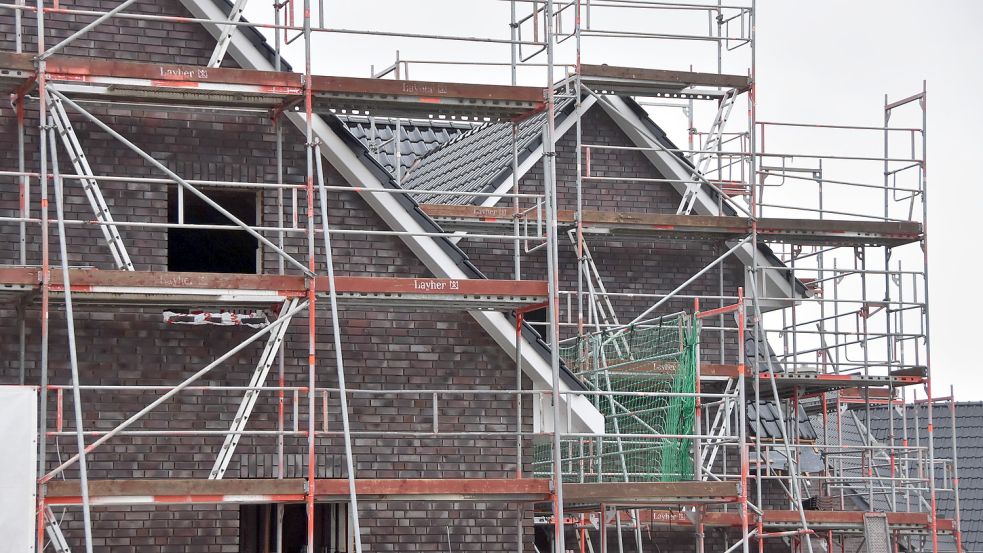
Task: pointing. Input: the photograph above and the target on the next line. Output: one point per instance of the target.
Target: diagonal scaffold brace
(339, 362)
(250, 397)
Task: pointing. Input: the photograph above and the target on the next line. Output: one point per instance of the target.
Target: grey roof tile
(760, 356)
(417, 138)
(475, 161)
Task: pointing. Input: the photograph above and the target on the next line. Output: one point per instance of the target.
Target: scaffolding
(637, 428)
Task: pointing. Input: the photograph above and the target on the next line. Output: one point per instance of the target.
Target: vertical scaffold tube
(311, 278)
(928, 343)
(549, 173)
(742, 418)
(45, 274)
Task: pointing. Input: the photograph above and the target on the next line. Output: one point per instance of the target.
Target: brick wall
(384, 350)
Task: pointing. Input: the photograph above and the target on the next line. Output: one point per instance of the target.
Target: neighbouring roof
(969, 448)
(969, 421)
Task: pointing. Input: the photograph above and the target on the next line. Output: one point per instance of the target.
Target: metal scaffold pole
(45, 277)
(553, 282)
(745, 467)
(923, 103)
(311, 282)
(276, 119)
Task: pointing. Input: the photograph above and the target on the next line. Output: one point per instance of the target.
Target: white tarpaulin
(18, 467)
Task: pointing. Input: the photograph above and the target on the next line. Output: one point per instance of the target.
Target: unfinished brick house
(291, 312)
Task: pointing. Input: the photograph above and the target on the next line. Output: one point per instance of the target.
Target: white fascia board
(584, 417)
(775, 284)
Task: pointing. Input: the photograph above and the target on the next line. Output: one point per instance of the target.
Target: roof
(476, 161)
(480, 160)
(454, 156)
(759, 356)
(848, 462)
(417, 138)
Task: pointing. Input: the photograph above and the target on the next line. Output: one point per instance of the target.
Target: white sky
(829, 62)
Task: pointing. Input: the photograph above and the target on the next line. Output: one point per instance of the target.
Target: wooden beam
(445, 488)
(157, 75)
(271, 490)
(793, 230)
(777, 519)
(681, 79)
(88, 280)
(649, 492)
(177, 491)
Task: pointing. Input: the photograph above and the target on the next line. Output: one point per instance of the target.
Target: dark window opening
(539, 319)
(257, 528)
(211, 250)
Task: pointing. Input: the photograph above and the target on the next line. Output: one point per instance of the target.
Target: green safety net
(647, 428)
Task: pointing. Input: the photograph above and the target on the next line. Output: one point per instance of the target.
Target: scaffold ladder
(89, 184)
(707, 153)
(225, 39)
(718, 430)
(249, 398)
(601, 311)
(56, 538)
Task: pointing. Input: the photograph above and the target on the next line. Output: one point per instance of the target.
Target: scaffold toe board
(438, 489)
(649, 493)
(290, 490)
(637, 81)
(137, 82)
(150, 288)
(805, 383)
(845, 521)
(839, 232)
(703, 227)
(177, 491)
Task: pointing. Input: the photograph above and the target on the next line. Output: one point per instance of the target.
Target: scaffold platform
(638, 81)
(187, 85)
(665, 226)
(152, 288)
(290, 490)
(803, 384)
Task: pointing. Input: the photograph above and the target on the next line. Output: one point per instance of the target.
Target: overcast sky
(829, 62)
